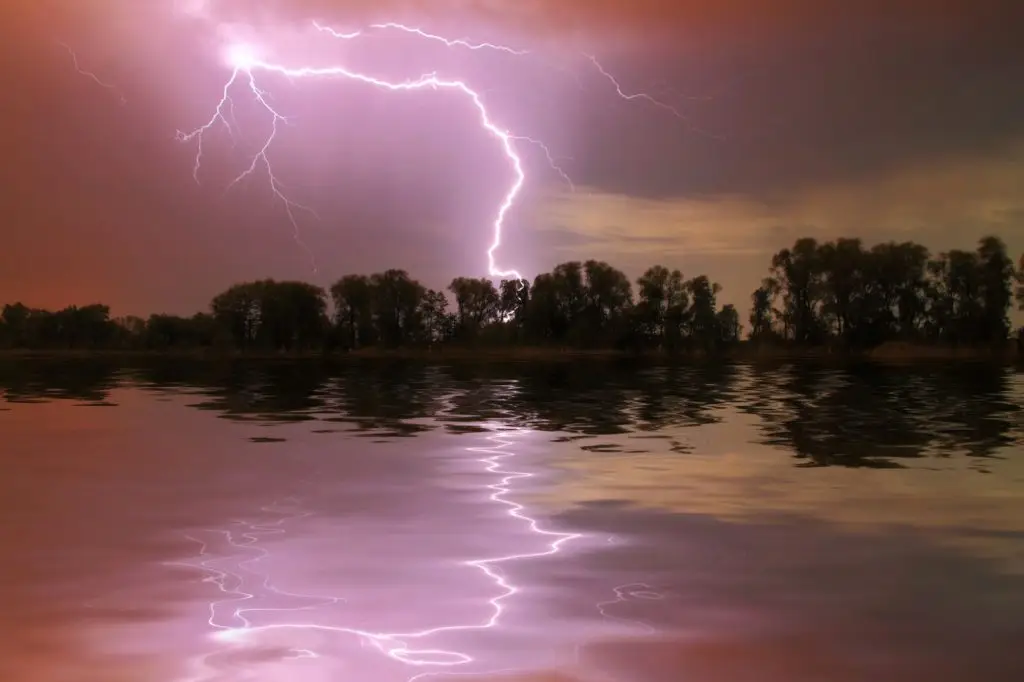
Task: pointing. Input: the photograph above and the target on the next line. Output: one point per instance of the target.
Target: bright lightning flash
(241, 57)
(245, 63)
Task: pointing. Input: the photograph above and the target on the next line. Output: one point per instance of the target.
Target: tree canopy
(838, 293)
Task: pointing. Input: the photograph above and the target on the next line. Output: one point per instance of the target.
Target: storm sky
(899, 120)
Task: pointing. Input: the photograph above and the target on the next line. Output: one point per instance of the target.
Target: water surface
(294, 521)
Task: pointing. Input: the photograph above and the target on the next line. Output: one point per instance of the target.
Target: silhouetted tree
(797, 278)
(238, 310)
(434, 318)
(171, 331)
(353, 311)
(1019, 276)
(513, 307)
(761, 313)
(996, 290)
(662, 306)
(836, 292)
(273, 315)
(477, 303)
(728, 322)
(17, 320)
(571, 297)
(955, 309)
(546, 321)
(894, 291)
(702, 318)
(608, 296)
(294, 315)
(395, 306)
(844, 292)
(898, 272)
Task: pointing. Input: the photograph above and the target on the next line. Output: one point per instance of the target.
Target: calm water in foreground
(372, 523)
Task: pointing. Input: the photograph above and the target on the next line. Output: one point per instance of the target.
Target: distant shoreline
(888, 353)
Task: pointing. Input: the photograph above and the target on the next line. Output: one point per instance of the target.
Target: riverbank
(899, 353)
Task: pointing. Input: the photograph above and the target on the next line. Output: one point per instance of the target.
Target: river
(383, 522)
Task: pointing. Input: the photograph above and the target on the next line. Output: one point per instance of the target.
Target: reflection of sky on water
(854, 573)
(725, 473)
(385, 531)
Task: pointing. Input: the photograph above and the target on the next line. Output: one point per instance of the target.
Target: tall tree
(955, 309)
(797, 276)
(294, 315)
(897, 276)
(353, 309)
(239, 310)
(607, 299)
(1019, 276)
(477, 303)
(513, 307)
(729, 328)
(546, 320)
(17, 319)
(571, 296)
(843, 288)
(433, 316)
(761, 313)
(662, 306)
(173, 331)
(395, 306)
(703, 320)
(273, 315)
(996, 293)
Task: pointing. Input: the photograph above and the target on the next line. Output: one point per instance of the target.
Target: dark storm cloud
(838, 102)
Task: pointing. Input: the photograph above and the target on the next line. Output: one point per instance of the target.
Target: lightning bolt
(245, 65)
(236, 582)
(243, 71)
(633, 96)
(91, 75)
(647, 97)
(449, 42)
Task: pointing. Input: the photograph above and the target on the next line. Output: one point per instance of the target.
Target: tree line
(837, 293)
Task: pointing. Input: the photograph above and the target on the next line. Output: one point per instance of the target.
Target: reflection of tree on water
(863, 416)
(370, 396)
(272, 392)
(595, 398)
(67, 379)
(872, 416)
